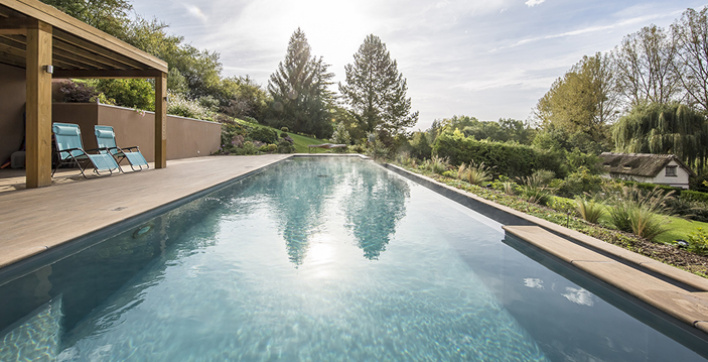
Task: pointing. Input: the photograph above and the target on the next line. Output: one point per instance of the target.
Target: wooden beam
(39, 107)
(15, 25)
(60, 20)
(106, 73)
(161, 121)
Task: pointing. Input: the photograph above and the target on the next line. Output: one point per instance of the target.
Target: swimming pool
(322, 259)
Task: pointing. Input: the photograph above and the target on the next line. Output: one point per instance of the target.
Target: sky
(487, 59)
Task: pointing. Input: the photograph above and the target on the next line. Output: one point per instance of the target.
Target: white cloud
(533, 283)
(579, 296)
(196, 12)
(532, 3)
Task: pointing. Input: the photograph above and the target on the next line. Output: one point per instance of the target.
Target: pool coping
(675, 292)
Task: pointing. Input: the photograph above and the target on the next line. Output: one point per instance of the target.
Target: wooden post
(161, 121)
(38, 109)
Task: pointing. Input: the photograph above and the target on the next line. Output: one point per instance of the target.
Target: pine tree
(301, 98)
(376, 91)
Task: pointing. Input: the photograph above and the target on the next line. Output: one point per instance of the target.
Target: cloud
(579, 296)
(196, 12)
(532, 3)
(533, 283)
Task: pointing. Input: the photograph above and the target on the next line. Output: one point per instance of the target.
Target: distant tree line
(650, 94)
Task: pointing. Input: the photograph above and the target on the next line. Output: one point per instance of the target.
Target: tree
(691, 36)
(664, 128)
(375, 90)
(646, 67)
(581, 102)
(110, 16)
(245, 97)
(299, 87)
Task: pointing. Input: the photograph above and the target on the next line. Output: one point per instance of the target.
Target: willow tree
(664, 128)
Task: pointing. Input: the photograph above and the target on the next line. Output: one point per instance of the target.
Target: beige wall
(185, 137)
(12, 102)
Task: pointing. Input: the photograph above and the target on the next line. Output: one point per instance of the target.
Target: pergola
(48, 43)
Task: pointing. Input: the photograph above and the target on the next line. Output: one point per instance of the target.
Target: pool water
(315, 259)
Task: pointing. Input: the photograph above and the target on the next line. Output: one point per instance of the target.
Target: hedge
(513, 160)
(690, 195)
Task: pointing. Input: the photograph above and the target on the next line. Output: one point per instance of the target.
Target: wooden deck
(34, 220)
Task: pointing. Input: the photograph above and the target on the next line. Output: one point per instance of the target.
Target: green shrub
(691, 195)
(477, 175)
(248, 149)
(579, 182)
(420, 147)
(509, 159)
(536, 195)
(436, 165)
(269, 148)
(640, 220)
(263, 134)
(131, 93)
(250, 120)
(178, 105)
(589, 210)
(285, 146)
(284, 129)
(562, 204)
(698, 242)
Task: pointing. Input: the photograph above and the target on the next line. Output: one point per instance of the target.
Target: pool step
(689, 305)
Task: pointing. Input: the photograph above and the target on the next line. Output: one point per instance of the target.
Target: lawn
(300, 142)
(679, 229)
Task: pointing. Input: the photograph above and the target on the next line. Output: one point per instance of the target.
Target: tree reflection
(374, 207)
(299, 191)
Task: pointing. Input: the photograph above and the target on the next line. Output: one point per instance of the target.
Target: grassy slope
(677, 227)
(680, 229)
(300, 142)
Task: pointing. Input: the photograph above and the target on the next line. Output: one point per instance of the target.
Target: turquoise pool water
(315, 259)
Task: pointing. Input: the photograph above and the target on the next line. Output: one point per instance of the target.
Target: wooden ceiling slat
(99, 60)
(107, 73)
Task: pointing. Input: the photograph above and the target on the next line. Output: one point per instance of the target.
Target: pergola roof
(78, 50)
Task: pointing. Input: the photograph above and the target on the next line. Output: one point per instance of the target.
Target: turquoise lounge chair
(106, 138)
(70, 150)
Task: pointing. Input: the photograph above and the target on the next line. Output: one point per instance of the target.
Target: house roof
(638, 164)
(78, 50)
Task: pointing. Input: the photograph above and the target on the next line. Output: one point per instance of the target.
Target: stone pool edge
(678, 293)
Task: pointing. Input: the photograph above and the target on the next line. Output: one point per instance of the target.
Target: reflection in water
(305, 192)
(374, 207)
(297, 195)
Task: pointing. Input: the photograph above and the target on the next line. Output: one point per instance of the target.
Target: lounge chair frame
(69, 150)
(106, 140)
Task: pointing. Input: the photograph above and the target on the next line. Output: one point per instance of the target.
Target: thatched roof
(637, 164)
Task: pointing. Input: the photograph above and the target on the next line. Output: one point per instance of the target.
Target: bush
(284, 129)
(131, 93)
(562, 204)
(285, 146)
(82, 93)
(698, 242)
(690, 195)
(269, 148)
(263, 134)
(589, 210)
(420, 147)
(477, 175)
(513, 160)
(579, 182)
(248, 149)
(638, 219)
(436, 165)
(178, 105)
(250, 120)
